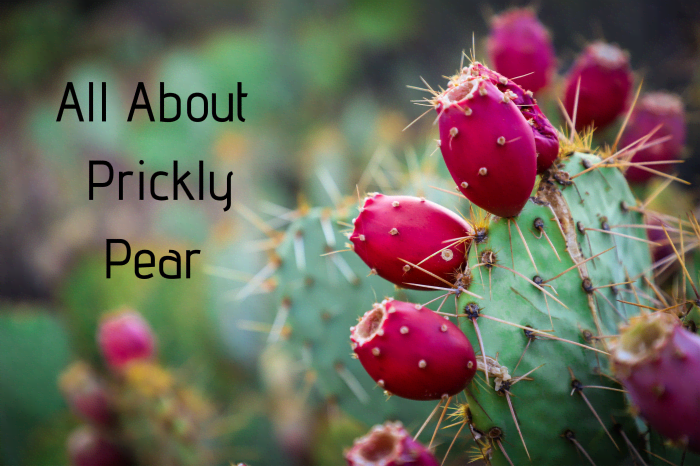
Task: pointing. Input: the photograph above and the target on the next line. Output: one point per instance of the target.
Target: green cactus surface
(552, 404)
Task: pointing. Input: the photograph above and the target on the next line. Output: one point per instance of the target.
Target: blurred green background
(326, 83)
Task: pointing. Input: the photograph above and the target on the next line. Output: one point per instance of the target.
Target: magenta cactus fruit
(412, 352)
(125, 337)
(389, 445)
(87, 395)
(486, 141)
(658, 363)
(546, 137)
(519, 46)
(653, 109)
(393, 229)
(87, 447)
(606, 83)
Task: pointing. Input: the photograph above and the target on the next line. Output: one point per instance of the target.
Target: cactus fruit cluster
(138, 412)
(519, 316)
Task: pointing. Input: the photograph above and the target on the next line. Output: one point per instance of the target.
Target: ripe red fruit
(125, 337)
(546, 137)
(87, 395)
(412, 352)
(519, 46)
(606, 82)
(658, 363)
(388, 445)
(656, 108)
(486, 142)
(87, 447)
(391, 228)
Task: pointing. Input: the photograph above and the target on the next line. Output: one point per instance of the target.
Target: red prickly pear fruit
(546, 137)
(606, 82)
(389, 445)
(653, 109)
(658, 363)
(87, 395)
(519, 46)
(125, 337)
(486, 142)
(87, 447)
(391, 228)
(412, 352)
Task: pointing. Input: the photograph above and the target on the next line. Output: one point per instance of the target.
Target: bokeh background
(326, 83)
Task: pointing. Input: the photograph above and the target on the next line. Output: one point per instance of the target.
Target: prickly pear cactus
(319, 298)
(539, 288)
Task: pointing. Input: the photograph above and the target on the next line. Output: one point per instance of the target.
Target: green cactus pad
(546, 407)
